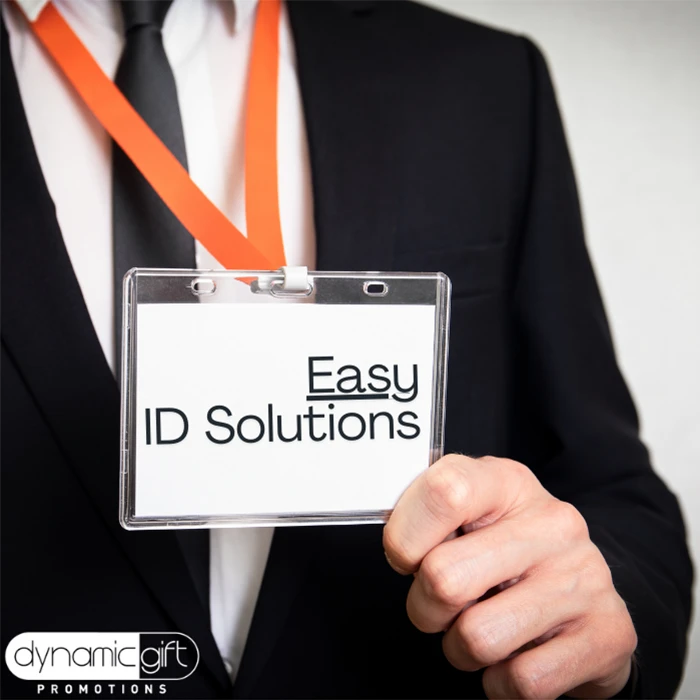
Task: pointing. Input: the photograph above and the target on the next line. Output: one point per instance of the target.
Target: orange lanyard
(263, 249)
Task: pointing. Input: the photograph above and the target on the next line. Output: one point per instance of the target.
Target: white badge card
(278, 398)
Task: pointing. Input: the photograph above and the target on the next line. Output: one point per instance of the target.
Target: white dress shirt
(208, 46)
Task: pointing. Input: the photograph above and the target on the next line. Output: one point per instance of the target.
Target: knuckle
(526, 679)
(515, 471)
(446, 488)
(508, 466)
(518, 468)
(614, 635)
(441, 582)
(598, 573)
(626, 641)
(629, 639)
(570, 524)
(479, 641)
(593, 574)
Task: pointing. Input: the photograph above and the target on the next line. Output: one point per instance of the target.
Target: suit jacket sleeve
(574, 422)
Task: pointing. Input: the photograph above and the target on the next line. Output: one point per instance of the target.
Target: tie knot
(144, 13)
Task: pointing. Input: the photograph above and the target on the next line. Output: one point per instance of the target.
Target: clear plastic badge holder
(278, 398)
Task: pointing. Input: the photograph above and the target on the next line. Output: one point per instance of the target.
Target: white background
(628, 79)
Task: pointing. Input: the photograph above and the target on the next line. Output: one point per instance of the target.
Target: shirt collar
(32, 8)
(244, 10)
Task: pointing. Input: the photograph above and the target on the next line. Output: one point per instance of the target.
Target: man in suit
(433, 144)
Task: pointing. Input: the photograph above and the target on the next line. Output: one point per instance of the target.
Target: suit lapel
(344, 87)
(48, 333)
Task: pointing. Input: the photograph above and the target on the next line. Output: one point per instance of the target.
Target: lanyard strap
(264, 248)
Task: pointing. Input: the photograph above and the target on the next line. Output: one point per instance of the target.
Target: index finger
(454, 491)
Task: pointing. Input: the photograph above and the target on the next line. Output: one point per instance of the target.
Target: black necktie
(145, 232)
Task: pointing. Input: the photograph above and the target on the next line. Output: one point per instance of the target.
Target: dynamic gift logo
(92, 656)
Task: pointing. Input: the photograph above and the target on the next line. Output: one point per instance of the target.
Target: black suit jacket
(435, 144)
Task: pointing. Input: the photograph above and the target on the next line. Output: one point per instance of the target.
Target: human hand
(523, 592)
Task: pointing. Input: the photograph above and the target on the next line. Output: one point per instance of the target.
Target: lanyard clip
(295, 282)
(296, 279)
